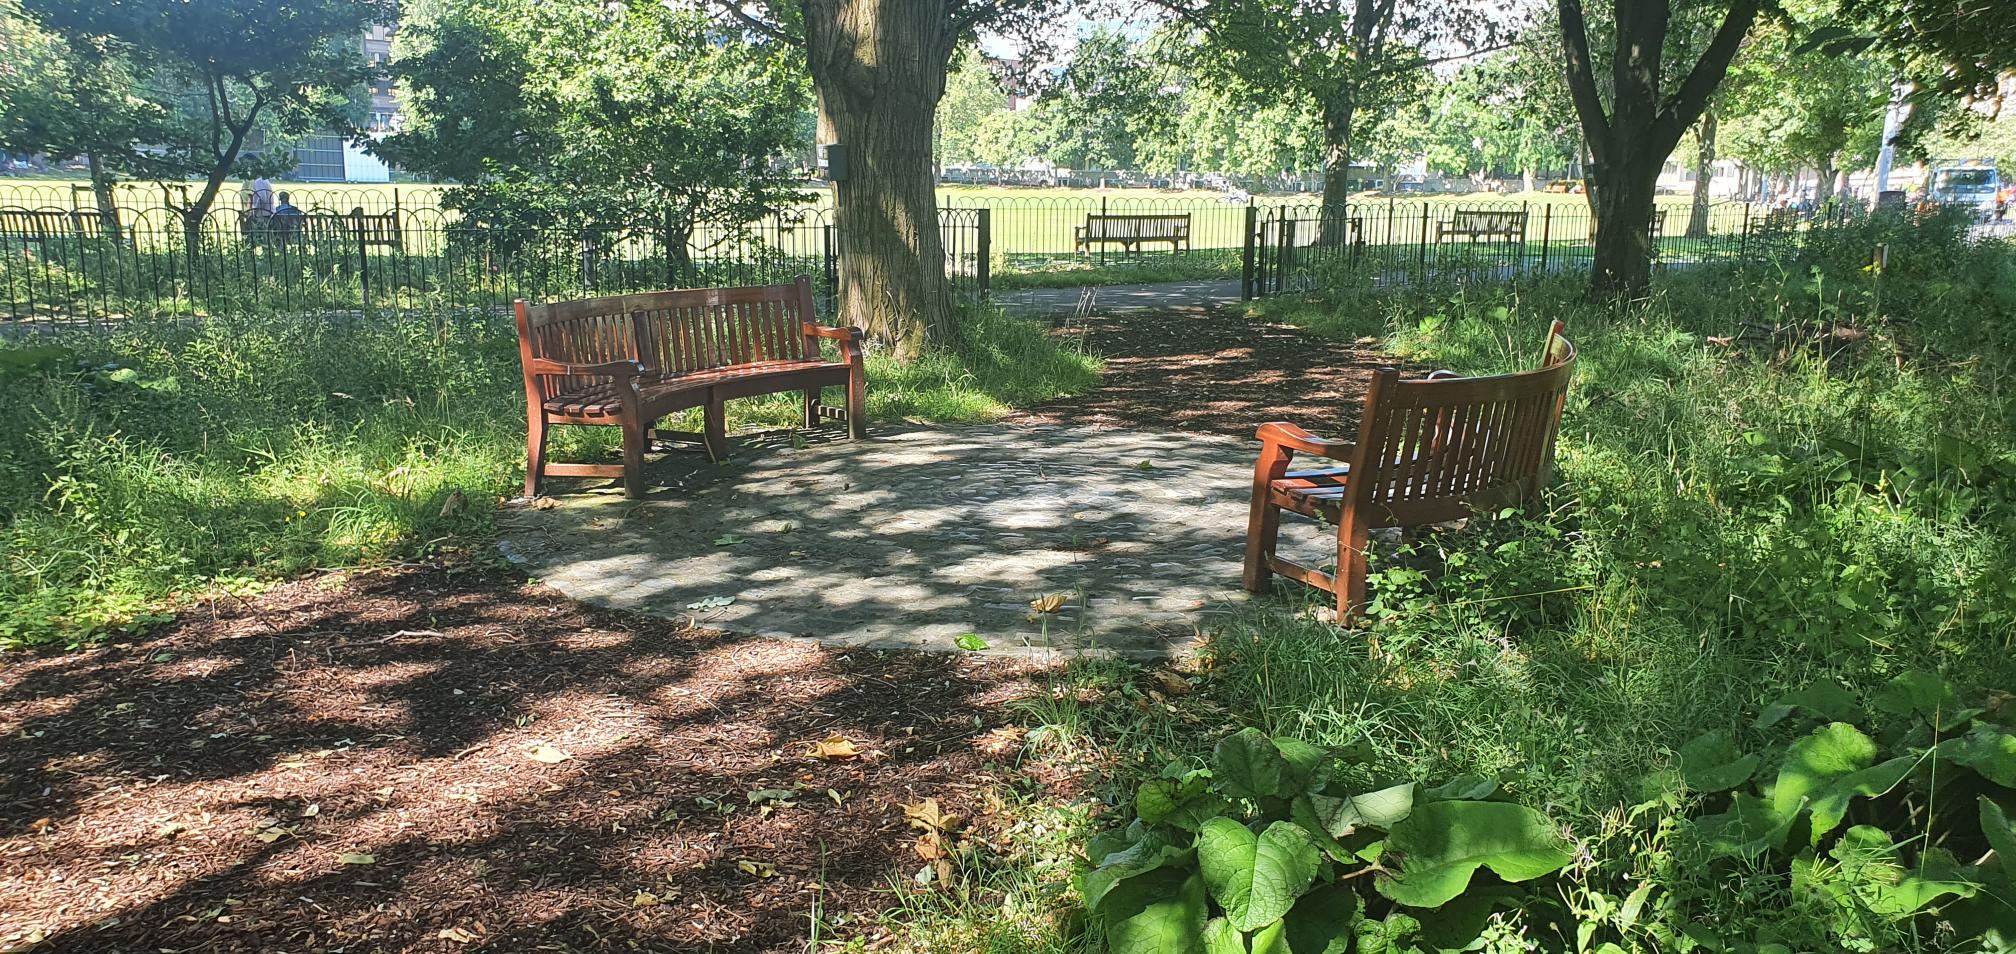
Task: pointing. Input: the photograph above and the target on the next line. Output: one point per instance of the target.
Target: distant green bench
(40, 225)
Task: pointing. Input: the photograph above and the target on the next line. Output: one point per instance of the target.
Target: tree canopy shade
(1630, 139)
(879, 69)
(597, 116)
(1957, 46)
(220, 69)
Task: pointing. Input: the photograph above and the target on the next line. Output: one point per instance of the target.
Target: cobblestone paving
(915, 538)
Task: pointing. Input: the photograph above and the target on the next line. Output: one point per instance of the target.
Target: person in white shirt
(262, 195)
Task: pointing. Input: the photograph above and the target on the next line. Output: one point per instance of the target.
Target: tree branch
(1582, 79)
(1687, 102)
(735, 10)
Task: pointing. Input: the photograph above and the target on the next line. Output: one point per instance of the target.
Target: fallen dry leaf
(549, 755)
(930, 847)
(644, 899)
(834, 747)
(456, 935)
(545, 503)
(356, 858)
(1171, 683)
(1050, 603)
(927, 816)
(756, 869)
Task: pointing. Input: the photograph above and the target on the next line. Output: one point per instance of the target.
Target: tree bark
(1334, 230)
(1823, 186)
(1704, 174)
(108, 203)
(879, 68)
(1629, 142)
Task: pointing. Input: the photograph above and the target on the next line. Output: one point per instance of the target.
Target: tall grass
(168, 457)
(1767, 477)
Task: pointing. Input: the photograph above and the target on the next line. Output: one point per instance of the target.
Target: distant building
(328, 157)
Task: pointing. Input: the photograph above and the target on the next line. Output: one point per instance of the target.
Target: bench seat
(603, 399)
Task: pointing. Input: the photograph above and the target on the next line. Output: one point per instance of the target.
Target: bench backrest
(1445, 448)
(372, 230)
(1137, 226)
(1488, 221)
(669, 332)
(47, 223)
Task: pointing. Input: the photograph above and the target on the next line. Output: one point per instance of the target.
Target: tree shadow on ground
(218, 785)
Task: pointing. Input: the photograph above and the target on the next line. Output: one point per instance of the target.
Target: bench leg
(634, 443)
(811, 408)
(1263, 521)
(716, 433)
(1353, 541)
(535, 453)
(857, 404)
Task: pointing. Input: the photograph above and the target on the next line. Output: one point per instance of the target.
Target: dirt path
(1193, 369)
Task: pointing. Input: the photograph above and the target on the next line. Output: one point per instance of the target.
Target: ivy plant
(1257, 854)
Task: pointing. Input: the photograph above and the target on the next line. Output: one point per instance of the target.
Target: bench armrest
(613, 369)
(1295, 438)
(849, 338)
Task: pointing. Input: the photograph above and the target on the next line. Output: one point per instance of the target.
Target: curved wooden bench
(1428, 451)
(627, 360)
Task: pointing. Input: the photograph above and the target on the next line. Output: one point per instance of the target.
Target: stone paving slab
(913, 538)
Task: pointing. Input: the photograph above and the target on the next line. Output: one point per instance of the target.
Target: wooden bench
(1428, 451)
(1132, 231)
(1655, 231)
(355, 230)
(1486, 224)
(41, 225)
(627, 360)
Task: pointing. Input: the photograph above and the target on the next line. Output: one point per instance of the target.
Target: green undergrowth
(166, 458)
(1753, 654)
(1073, 271)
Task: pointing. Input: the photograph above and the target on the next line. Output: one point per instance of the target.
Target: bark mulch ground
(445, 758)
(1192, 369)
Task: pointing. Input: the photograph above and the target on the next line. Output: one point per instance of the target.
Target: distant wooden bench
(1130, 232)
(355, 230)
(40, 225)
(1428, 451)
(627, 360)
(1485, 224)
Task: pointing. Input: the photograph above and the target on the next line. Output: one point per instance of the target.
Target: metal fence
(69, 264)
(59, 266)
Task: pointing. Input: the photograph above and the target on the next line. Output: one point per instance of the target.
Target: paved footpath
(1118, 299)
(914, 538)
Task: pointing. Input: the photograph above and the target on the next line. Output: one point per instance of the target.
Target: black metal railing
(60, 266)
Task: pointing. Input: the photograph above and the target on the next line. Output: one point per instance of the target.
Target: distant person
(287, 219)
(262, 194)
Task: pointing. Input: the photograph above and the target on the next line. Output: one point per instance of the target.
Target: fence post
(363, 257)
(1423, 261)
(1286, 259)
(985, 266)
(832, 262)
(1546, 234)
(1246, 257)
(1743, 237)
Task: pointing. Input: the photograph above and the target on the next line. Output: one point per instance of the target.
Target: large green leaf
(1220, 937)
(1161, 912)
(1457, 925)
(1875, 873)
(1152, 851)
(1442, 843)
(1988, 750)
(2002, 838)
(1271, 940)
(1831, 753)
(1920, 693)
(1389, 936)
(1825, 699)
(1711, 763)
(1246, 764)
(1256, 879)
(1830, 805)
(1381, 809)
(1749, 828)
(1183, 803)
(1320, 922)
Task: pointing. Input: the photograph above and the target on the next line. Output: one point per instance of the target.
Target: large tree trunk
(1823, 187)
(1624, 200)
(101, 190)
(1336, 173)
(1704, 174)
(1630, 140)
(879, 69)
